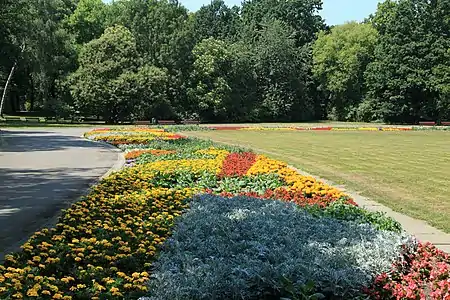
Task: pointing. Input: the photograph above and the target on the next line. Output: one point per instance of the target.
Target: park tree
(216, 20)
(105, 82)
(52, 55)
(164, 38)
(300, 15)
(283, 71)
(404, 80)
(152, 87)
(88, 21)
(340, 58)
(37, 50)
(14, 25)
(210, 79)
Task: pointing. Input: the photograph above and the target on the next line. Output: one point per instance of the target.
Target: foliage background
(265, 60)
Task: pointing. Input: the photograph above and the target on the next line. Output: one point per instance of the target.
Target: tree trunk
(32, 94)
(8, 81)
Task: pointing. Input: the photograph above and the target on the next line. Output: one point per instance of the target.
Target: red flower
(237, 164)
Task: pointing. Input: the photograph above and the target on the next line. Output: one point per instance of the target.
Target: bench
(427, 123)
(142, 123)
(190, 122)
(445, 123)
(12, 119)
(166, 122)
(34, 120)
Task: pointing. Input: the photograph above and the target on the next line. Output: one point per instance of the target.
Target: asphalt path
(41, 172)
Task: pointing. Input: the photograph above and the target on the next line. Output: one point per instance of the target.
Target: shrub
(246, 248)
(343, 211)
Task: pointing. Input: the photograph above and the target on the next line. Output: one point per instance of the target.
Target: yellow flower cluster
(295, 181)
(213, 151)
(130, 136)
(102, 246)
(126, 130)
(193, 165)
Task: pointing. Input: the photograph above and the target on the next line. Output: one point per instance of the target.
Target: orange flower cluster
(307, 185)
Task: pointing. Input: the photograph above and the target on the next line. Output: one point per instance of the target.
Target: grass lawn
(407, 171)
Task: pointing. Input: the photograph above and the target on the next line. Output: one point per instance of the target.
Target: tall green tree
(14, 30)
(105, 82)
(52, 55)
(300, 15)
(216, 20)
(88, 21)
(413, 44)
(164, 37)
(340, 58)
(211, 79)
(45, 54)
(283, 71)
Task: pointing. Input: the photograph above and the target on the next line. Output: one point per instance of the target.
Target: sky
(334, 11)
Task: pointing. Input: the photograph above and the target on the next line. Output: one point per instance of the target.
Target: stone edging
(419, 228)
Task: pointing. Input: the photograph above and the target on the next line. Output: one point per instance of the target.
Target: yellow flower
(66, 279)
(121, 274)
(115, 291)
(32, 293)
(99, 287)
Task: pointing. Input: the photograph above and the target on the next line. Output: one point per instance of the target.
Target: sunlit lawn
(407, 171)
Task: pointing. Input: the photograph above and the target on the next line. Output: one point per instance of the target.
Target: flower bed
(106, 245)
(330, 128)
(247, 248)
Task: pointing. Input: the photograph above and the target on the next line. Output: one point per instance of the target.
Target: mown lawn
(407, 171)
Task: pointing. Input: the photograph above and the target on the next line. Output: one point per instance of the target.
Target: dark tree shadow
(34, 188)
(31, 199)
(25, 141)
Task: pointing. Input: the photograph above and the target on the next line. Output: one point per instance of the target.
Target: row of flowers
(104, 246)
(324, 128)
(330, 128)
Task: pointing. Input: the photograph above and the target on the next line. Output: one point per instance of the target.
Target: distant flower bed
(319, 128)
(189, 219)
(330, 128)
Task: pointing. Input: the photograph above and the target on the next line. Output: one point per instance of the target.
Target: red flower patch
(290, 196)
(237, 164)
(174, 137)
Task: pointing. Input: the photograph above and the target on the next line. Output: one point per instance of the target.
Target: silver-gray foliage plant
(246, 248)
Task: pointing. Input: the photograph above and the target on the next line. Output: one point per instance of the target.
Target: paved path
(41, 172)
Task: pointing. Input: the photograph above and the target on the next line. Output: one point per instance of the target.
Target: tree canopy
(265, 60)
